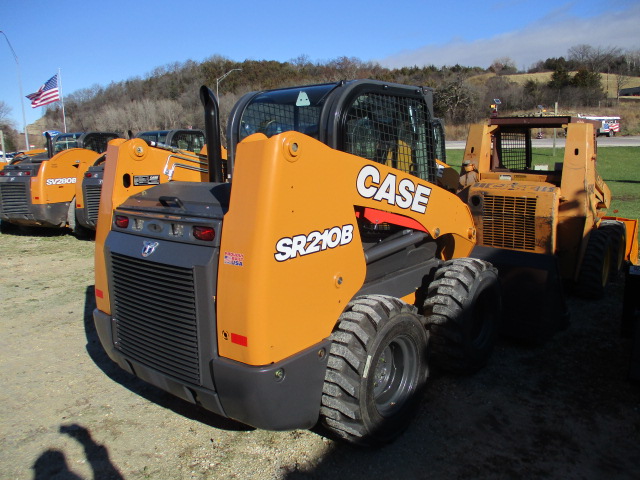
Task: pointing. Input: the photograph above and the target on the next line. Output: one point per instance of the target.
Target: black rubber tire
(618, 244)
(596, 265)
(376, 371)
(78, 230)
(463, 310)
(6, 227)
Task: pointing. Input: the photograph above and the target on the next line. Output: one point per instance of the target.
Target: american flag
(46, 94)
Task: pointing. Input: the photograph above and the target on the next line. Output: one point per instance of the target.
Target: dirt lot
(563, 410)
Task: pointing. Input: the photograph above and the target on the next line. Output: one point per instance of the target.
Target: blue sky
(103, 42)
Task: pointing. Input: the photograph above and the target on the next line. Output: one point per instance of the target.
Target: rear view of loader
(181, 151)
(305, 279)
(40, 190)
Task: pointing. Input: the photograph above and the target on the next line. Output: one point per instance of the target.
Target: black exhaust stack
(49, 144)
(212, 131)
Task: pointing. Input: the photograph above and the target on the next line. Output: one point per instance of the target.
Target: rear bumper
(83, 219)
(47, 215)
(282, 396)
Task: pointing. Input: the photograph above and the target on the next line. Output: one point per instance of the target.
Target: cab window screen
(275, 112)
(65, 142)
(272, 119)
(438, 132)
(395, 131)
(514, 149)
(97, 142)
(192, 142)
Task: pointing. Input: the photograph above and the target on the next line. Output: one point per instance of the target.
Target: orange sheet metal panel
(291, 257)
(57, 178)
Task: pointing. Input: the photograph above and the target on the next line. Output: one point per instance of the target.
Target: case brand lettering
(404, 193)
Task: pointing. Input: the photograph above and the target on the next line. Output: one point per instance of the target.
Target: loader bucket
(533, 301)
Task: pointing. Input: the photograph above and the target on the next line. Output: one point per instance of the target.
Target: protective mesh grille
(13, 198)
(155, 316)
(92, 201)
(509, 222)
(393, 131)
(513, 150)
(272, 119)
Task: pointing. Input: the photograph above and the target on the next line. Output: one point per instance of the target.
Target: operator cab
(186, 139)
(387, 124)
(96, 141)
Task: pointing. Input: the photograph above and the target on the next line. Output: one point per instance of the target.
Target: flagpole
(64, 118)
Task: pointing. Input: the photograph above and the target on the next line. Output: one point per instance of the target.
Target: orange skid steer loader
(39, 191)
(306, 280)
(542, 220)
(177, 157)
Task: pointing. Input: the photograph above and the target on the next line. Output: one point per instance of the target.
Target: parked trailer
(609, 126)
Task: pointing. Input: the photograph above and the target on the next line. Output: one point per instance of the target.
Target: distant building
(630, 92)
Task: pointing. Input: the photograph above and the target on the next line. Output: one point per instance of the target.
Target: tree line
(167, 97)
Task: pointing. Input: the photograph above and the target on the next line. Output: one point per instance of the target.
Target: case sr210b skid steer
(306, 280)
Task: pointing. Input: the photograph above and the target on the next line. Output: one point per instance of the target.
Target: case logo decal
(148, 247)
(404, 193)
(146, 180)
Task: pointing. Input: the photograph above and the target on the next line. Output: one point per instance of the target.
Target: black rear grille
(509, 222)
(14, 198)
(155, 312)
(92, 201)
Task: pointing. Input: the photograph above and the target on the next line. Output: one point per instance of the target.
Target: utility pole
(218, 80)
(24, 118)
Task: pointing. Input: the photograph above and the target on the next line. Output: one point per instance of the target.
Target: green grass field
(618, 166)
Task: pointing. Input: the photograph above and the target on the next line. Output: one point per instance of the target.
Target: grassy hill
(609, 81)
(627, 107)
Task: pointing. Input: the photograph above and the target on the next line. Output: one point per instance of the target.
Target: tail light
(121, 221)
(206, 234)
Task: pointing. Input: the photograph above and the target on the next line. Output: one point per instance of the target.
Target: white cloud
(551, 37)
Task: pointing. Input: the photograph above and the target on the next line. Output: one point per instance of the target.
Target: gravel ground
(561, 410)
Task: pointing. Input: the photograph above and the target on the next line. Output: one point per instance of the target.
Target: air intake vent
(92, 201)
(14, 198)
(509, 222)
(155, 316)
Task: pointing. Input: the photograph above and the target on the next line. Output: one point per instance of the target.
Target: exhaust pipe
(212, 131)
(49, 144)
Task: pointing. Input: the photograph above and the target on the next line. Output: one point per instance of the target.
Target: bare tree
(503, 65)
(594, 59)
(5, 111)
(456, 101)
